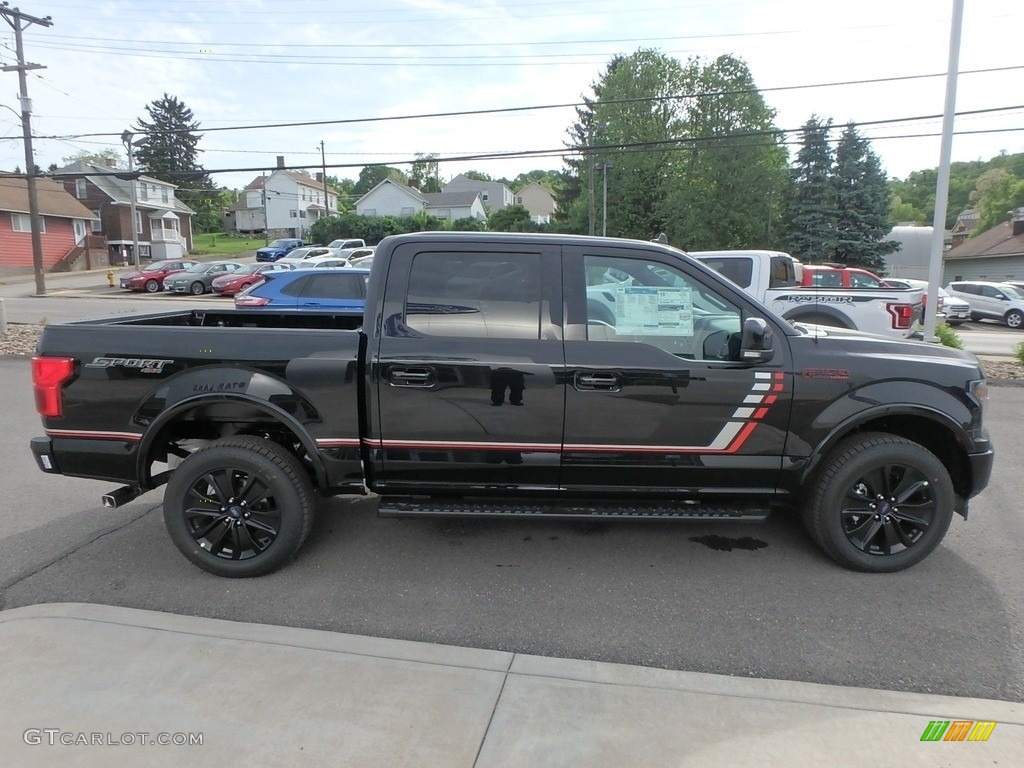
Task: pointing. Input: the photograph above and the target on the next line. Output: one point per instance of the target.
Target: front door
(657, 399)
(468, 372)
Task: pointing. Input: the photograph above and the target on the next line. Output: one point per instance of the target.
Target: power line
(540, 107)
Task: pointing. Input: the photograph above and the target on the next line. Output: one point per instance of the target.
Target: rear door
(468, 370)
(657, 399)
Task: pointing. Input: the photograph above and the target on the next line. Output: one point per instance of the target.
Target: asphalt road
(632, 593)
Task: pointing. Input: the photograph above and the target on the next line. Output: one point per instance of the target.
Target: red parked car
(151, 277)
(250, 274)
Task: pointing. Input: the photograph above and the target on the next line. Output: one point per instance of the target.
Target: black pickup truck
(517, 375)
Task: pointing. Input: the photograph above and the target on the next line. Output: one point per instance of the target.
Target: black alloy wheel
(239, 507)
(881, 503)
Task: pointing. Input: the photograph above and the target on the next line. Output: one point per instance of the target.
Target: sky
(368, 72)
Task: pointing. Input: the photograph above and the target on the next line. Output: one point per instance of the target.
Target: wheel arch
(932, 429)
(241, 408)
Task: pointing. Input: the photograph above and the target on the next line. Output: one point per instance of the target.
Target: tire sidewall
(280, 471)
(200, 286)
(1014, 315)
(152, 286)
(852, 465)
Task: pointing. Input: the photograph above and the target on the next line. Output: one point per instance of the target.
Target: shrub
(1018, 352)
(948, 336)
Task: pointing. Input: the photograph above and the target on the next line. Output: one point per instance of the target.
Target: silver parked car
(991, 301)
(198, 279)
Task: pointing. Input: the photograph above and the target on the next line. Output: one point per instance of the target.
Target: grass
(219, 244)
(1018, 352)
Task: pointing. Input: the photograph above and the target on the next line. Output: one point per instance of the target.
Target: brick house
(64, 233)
(163, 223)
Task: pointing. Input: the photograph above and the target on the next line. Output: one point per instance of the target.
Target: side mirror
(756, 345)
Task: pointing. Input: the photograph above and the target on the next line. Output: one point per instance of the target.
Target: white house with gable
(392, 198)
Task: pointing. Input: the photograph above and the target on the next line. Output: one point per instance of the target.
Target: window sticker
(653, 311)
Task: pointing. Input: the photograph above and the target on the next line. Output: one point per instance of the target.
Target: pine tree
(168, 151)
(811, 235)
(863, 202)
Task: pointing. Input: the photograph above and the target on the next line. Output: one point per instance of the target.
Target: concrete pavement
(95, 685)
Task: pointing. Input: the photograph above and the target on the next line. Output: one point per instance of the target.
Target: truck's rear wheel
(881, 503)
(239, 507)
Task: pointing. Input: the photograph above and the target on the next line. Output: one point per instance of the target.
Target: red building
(64, 226)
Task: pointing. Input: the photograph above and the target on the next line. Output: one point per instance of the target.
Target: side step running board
(570, 509)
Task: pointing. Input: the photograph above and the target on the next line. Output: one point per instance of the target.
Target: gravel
(20, 341)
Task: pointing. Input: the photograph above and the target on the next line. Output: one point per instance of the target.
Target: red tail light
(49, 374)
(250, 301)
(902, 315)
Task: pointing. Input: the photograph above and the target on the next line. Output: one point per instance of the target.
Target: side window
(296, 287)
(482, 295)
(864, 281)
(641, 301)
(739, 270)
(335, 286)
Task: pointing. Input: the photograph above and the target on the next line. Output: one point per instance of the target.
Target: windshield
(157, 266)
(198, 268)
(1010, 291)
(279, 244)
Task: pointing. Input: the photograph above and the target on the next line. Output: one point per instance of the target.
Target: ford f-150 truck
(776, 279)
(517, 375)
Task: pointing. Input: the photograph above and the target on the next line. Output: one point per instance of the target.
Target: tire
(251, 534)
(197, 288)
(1014, 319)
(880, 503)
(152, 286)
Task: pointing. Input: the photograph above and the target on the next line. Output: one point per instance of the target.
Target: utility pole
(590, 179)
(323, 177)
(129, 143)
(15, 19)
(266, 220)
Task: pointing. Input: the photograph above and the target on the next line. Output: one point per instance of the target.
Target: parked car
(346, 243)
(307, 252)
(830, 276)
(1018, 284)
(323, 262)
(249, 274)
(199, 278)
(952, 309)
(151, 277)
(991, 301)
(326, 289)
(277, 249)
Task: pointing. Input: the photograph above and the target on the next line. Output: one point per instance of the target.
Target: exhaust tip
(119, 497)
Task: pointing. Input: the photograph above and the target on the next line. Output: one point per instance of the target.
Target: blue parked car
(308, 289)
(280, 247)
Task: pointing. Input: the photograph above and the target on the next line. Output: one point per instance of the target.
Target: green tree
(728, 184)
(862, 199)
(372, 175)
(996, 193)
(424, 172)
(168, 150)
(511, 218)
(811, 233)
(101, 157)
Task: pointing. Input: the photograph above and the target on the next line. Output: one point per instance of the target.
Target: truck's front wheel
(880, 504)
(239, 507)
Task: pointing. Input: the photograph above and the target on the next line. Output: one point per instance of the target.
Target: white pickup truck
(772, 277)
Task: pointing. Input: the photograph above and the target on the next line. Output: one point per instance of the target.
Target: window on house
(138, 223)
(165, 194)
(519, 200)
(483, 196)
(143, 192)
(22, 222)
(80, 190)
(96, 225)
(408, 211)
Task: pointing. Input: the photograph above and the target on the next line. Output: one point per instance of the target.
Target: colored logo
(958, 730)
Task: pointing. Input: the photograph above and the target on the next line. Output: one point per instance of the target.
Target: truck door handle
(604, 382)
(411, 377)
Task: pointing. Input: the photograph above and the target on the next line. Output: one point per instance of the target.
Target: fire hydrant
(110, 277)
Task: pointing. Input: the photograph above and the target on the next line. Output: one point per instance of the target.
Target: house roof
(300, 177)
(998, 241)
(119, 190)
(411, 191)
(449, 199)
(53, 199)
